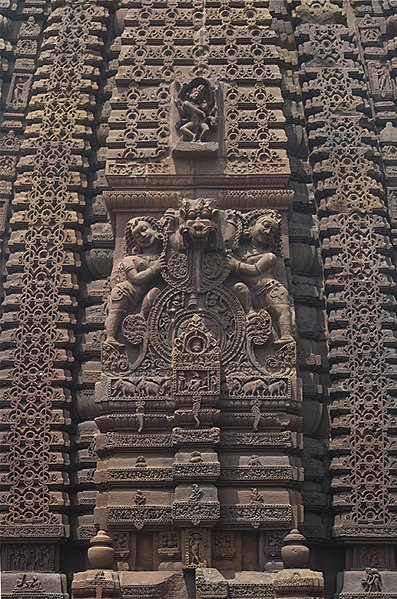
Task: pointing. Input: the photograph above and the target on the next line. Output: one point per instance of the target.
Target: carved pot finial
(295, 553)
(101, 554)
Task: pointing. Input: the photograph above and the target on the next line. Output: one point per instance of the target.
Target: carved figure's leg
(148, 301)
(113, 324)
(204, 130)
(279, 309)
(281, 315)
(188, 129)
(244, 295)
(122, 298)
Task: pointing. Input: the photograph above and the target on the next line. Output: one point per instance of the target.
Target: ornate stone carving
(256, 514)
(372, 581)
(210, 49)
(168, 544)
(197, 107)
(196, 548)
(196, 365)
(29, 557)
(260, 282)
(134, 287)
(144, 320)
(139, 515)
(172, 361)
(52, 175)
(319, 11)
(223, 545)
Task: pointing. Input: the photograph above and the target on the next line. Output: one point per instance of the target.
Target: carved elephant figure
(148, 388)
(254, 387)
(125, 387)
(278, 388)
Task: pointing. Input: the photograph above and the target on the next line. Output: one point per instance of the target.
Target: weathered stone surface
(198, 377)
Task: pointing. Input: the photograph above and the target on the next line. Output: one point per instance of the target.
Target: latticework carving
(47, 203)
(158, 55)
(358, 276)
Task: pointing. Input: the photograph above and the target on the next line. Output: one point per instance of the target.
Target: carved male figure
(139, 268)
(258, 271)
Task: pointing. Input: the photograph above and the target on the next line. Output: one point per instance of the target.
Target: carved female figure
(260, 277)
(196, 550)
(139, 268)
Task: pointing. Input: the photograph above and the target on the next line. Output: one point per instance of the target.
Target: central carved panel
(199, 365)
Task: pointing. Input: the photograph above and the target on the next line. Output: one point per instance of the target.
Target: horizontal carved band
(140, 515)
(256, 514)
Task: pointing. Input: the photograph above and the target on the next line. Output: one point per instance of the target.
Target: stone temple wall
(198, 204)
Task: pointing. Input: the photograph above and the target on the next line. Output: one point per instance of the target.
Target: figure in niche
(140, 414)
(196, 105)
(256, 497)
(257, 413)
(139, 499)
(137, 272)
(195, 383)
(196, 550)
(258, 270)
(140, 462)
(196, 407)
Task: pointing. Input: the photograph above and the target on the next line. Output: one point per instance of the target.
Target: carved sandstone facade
(198, 205)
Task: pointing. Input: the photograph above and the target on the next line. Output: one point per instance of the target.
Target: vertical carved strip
(358, 272)
(48, 202)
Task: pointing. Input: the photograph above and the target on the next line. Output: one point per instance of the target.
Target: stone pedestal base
(31, 585)
(298, 584)
(210, 584)
(353, 585)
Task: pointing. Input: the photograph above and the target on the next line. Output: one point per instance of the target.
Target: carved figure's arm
(145, 276)
(193, 110)
(265, 262)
